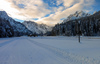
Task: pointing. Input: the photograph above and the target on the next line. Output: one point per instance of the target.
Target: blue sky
(49, 12)
(96, 6)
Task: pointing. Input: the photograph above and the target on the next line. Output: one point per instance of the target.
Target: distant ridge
(37, 28)
(76, 15)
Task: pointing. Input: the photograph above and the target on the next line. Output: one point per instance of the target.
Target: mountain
(5, 28)
(85, 26)
(4, 15)
(76, 15)
(37, 28)
(9, 25)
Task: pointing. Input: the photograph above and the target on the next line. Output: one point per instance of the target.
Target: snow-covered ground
(50, 50)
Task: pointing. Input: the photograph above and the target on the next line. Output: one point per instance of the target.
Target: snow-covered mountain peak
(4, 15)
(16, 28)
(76, 15)
(37, 28)
(95, 12)
(80, 14)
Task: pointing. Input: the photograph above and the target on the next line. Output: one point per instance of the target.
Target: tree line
(89, 26)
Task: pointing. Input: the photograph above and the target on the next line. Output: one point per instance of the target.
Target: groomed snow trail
(25, 50)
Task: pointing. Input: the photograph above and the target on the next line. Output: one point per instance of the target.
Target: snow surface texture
(50, 50)
(76, 15)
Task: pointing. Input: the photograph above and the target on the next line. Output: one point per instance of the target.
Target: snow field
(49, 50)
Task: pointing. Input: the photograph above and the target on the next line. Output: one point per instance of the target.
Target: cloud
(53, 19)
(59, 2)
(29, 9)
(25, 8)
(32, 9)
(6, 6)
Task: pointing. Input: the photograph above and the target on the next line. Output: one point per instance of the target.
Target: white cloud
(28, 9)
(32, 8)
(55, 18)
(59, 2)
(68, 3)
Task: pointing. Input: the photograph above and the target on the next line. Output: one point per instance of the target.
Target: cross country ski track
(25, 50)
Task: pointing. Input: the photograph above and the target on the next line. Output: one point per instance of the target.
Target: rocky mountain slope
(76, 15)
(37, 28)
(9, 27)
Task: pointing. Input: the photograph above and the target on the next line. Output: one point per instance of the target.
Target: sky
(48, 12)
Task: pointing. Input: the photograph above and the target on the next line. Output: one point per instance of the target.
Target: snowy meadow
(50, 50)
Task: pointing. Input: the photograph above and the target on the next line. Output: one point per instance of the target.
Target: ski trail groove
(7, 42)
(66, 55)
(5, 51)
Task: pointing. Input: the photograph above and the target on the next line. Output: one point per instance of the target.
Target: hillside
(87, 26)
(9, 27)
